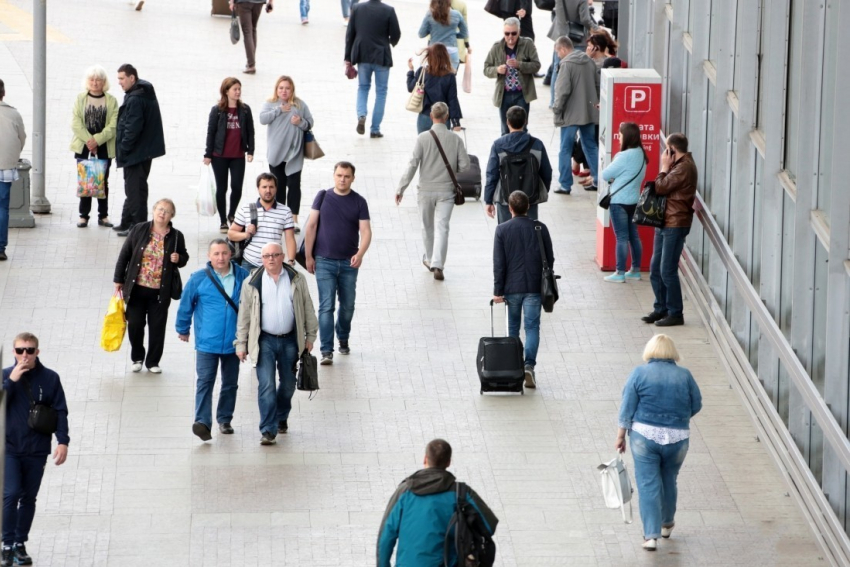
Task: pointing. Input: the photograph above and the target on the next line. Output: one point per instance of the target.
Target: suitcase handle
(492, 328)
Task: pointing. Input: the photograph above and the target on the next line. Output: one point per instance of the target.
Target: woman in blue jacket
(659, 400)
(445, 26)
(625, 176)
(439, 84)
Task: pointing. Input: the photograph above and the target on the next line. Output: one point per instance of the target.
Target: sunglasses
(511, 33)
(28, 350)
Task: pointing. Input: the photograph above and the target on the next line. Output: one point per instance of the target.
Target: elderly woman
(93, 123)
(146, 272)
(288, 118)
(659, 400)
(445, 26)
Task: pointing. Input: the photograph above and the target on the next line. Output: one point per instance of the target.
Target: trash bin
(20, 215)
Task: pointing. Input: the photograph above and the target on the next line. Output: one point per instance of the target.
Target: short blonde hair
(660, 346)
(170, 203)
(96, 72)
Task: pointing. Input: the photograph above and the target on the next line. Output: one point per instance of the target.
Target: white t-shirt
(278, 315)
(270, 227)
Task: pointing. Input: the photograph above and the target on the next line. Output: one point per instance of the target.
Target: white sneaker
(665, 532)
(155, 370)
(137, 367)
(650, 544)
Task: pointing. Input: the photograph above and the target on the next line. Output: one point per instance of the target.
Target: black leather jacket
(217, 129)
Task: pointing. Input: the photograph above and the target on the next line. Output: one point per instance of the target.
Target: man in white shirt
(13, 135)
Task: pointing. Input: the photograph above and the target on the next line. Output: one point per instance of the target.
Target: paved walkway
(139, 489)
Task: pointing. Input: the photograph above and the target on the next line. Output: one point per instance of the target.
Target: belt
(288, 335)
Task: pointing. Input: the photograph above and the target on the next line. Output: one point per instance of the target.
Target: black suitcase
(500, 361)
(470, 178)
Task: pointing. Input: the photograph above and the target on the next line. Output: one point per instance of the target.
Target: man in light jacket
(436, 189)
(576, 110)
(276, 324)
(14, 137)
(567, 11)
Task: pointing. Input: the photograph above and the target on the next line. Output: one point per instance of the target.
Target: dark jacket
(46, 388)
(680, 186)
(418, 516)
(130, 259)
(139, 136)
(517, 267)
(217, 129)
(438, 89)
(514, 143)
(372, 27)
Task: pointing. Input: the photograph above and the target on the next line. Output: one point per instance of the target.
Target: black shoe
(561, 191)
(104, 222)
(7, 560)
(223, 228)
(591, 188)
(121, 227)
(361, 125)
(343, 347)
(225, 428)
(3, 256)
(653, 317)
(268, 439)
(670, 321)
(124, 233)
(375, 135)
(547, 81)
(202, 431)
(539, 75)
(20, 554)
(282, 426)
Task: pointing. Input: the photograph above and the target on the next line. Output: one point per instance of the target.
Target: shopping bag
(206, 192)
(616, 487)
(234, 28)
(651, 208)
(91, 178)
(467, 74)
(114, 324)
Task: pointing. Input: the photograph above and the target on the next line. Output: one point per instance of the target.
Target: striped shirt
(270, 227)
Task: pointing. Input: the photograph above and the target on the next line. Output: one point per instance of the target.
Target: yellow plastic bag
(114, 324)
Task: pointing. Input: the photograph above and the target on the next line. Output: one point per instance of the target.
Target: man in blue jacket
(419, 512)
(26, 383)
(514, 142)
(518, 273)
(212, 296)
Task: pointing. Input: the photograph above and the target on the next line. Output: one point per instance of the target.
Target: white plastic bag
(467, 74)
(206, 192)
(616, 486)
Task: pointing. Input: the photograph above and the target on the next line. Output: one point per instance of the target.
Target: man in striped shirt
(274, 220)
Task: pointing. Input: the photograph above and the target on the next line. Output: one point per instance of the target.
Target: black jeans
(144, 306)
(22, 480)
(136, 193)
(510, 99)
(288, 187)
(102, 204)
(221, 166)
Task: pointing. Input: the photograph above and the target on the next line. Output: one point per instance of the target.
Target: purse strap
(539, 230)
(445, 159)
(642, 169)
(220, 289)
(420, 82)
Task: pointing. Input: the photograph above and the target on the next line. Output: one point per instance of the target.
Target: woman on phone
(440, 85)
(445, 26)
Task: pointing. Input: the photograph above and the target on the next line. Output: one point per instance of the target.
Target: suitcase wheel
(478, 192)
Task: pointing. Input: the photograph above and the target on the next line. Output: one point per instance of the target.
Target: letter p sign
(638, 99)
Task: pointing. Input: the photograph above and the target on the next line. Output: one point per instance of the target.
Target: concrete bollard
(20, 215)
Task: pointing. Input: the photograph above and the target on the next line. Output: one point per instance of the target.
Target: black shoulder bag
(548, 285)
(220, 289)
(308, 373)
(238, 248)
(605, 202)
(176, 281)
(42, 418)
(651, 208)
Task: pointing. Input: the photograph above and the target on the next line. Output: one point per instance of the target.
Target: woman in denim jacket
(659, 400)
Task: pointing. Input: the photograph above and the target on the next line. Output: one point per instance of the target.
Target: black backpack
(521, 172)
(472, 541)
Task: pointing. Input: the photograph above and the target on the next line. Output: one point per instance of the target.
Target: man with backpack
(430, 506)
(518, 162)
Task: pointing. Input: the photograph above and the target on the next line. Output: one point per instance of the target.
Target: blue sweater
(447, 35)
(46, 388)
(624, 167)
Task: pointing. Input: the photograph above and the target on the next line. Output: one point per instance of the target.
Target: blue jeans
(382, 77)
(346, 8)
(423, 123)
(335, 277)
(627, 234)
(304, 6)
(527, 304)
(589, 144)
(510, 99)
(664, 269)
(20, 487)
(656, 469)
(206, 366)
(503, 213)
(281, 354)
(5, 192)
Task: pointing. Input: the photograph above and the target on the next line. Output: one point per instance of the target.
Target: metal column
(39, 202)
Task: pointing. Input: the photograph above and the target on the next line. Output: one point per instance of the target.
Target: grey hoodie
(576, 91)
(13, 134)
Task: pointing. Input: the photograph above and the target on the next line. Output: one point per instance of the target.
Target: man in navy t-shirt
(336, 238)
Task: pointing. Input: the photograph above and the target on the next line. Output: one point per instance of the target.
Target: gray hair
(279, 247)
(216, 242)
(96, 72)
(512, 22)
(564, 42)
(440, 111)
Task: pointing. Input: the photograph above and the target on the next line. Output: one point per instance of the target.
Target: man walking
(517, 275)
(512, 61)
(576, 110)
(26, 383)
(248, 12)
(138, 141)
(211, 296)
(419, 512)
(436, 189)
(276, 324)
(372, 28)
(677, 181)
(565, 12)
(336, 238)
(14, 137)
(274, 220)
(528, 159)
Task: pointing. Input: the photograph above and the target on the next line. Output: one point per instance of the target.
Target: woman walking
(659, 400)
(625, 176)
(94, 122)
(445, 26)
(288, 118)
(147, 274)
(230, 138)
(439, 84)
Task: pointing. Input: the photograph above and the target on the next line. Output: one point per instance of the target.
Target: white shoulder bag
(616, 486)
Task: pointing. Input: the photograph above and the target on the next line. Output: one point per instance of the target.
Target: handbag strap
(220, 289)
(445, 159)
(629, 182)
(28, 387)
(420, 82)
(539, 230)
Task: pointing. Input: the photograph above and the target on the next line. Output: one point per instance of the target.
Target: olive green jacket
(529, 64)
(82, 135)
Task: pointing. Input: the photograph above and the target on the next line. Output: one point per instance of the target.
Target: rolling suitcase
(470, 178)
(500, 361)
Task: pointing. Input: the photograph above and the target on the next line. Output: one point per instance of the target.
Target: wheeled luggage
(500, 361)
(470, 178)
